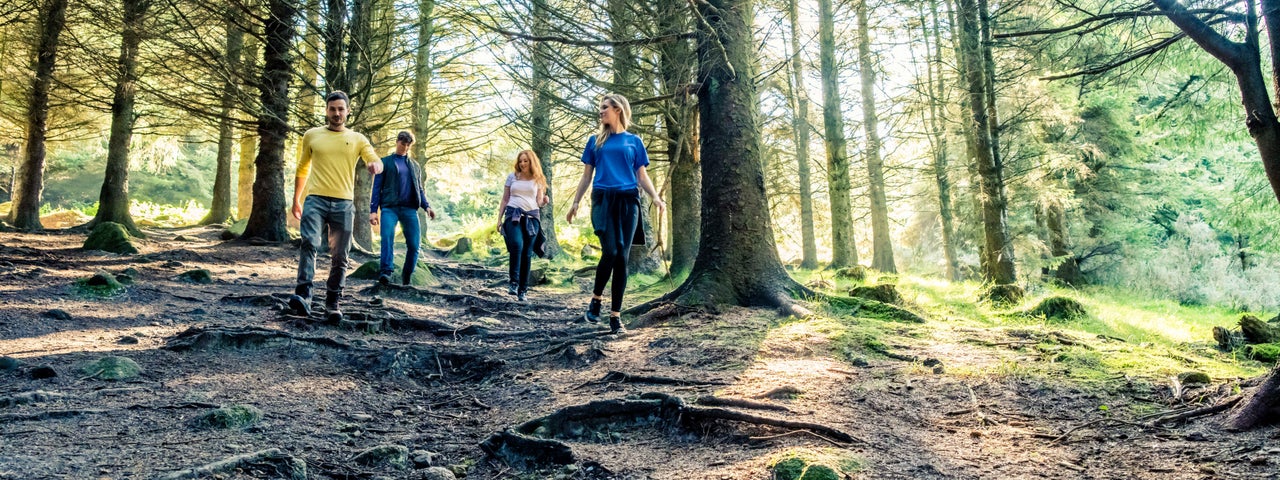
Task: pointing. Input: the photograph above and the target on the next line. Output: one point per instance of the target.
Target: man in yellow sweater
(328, 156)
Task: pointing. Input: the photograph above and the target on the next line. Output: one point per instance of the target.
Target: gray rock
(128, 340)
(43, 371)
(8, 364)
(58, 314)
(423, 458)
(438, 473)
(395, 456)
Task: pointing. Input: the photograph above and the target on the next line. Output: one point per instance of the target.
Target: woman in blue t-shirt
(615, 168)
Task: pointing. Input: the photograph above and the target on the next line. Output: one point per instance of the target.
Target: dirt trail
(448, 368)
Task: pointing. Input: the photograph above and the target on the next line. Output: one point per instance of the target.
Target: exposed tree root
(243, 338)
(427, 295)
(534, 443)
(620, 377)
(37, 396)
(867, 307)
(1209, 410)
(48, 414)
(278, 300)
(1258, 407)
(273, 461)
(714, 401)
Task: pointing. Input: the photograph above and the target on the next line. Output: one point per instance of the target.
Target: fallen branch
(280, 463)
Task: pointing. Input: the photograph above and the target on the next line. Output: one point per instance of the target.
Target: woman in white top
(518, 217)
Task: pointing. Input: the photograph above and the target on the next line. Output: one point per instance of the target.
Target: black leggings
(520, 252)
(615, 247)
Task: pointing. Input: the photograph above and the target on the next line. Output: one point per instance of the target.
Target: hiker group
(614, 162)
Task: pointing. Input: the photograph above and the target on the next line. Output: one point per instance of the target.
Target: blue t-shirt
(616, 161)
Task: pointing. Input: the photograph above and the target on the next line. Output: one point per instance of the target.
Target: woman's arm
(583, 183)
(647, 185)
(502, 206)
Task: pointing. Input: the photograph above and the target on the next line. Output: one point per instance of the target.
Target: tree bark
(738, 259)
(335, 75)
(419, 108)
(246, 171)
(540, 121)
(267, 220)
(999, 266)
(882, 246)
(937, 111)
(220, 210)
(359, 74)
(113, 198)
(800, 127)
(844, 251)
(25, 212)
(677, 61)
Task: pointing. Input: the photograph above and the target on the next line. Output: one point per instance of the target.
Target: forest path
(451, 367)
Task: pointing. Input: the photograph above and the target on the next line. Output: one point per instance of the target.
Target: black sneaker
(615, 325)
(520, 296)
(299, 305)
(512, 289)
(384, 279)
(593, 311)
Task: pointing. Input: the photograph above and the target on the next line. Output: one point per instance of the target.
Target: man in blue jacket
(398, 192)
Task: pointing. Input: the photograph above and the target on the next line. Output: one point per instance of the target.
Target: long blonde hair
(624, 119)
(535, 166)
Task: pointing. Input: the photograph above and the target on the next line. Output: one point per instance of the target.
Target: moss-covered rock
(1004, 294)
(1258, 331)
(1192, 378)
(199, 275)
(856, 273)
(462, 247)
(797, 468)
(884, 293)
(394, 456)
(234, 417)
(1058, 308)
(422, 276)
(113, 368)
(110, 237)
(8, 364)
(100, 284)
(1263, 352)
(438, 473)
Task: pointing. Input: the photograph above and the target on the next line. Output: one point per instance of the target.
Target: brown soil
(324, 405)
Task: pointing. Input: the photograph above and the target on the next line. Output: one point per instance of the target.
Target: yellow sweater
(332, 173)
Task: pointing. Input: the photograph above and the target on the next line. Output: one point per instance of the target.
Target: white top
(524, 193)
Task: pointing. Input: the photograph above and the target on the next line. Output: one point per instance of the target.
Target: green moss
(199, 275)
(856, 273)
(1263, 352)
(110, 237)
(395, 456)
(234, 417)
(113, 368)
(422, 276)
(1058, 308)
(814, 464)
(101, 284)
(796, 468)
(1194, 377)
(884, 293)
(1002, 295)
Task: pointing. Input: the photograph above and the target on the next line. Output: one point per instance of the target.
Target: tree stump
(1256, 331)
(1259, 407)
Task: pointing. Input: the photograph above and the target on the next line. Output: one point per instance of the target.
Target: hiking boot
(384, 279)
(513, 288)
(593, 311)
(332, 313)
(300, 305)
(615, 325)
(406, 282)
(520, 296)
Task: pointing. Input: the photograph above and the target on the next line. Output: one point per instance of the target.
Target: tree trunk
(419, 109)
(220, 210)
(1059, 244)
(113, 199)
(335, 75)
(844, 251)
(999, 265)
(540, 121)
(248, 142)
(677, 61)
(882, 251)
(359, 74)
(1259, 407)
(25, 212)
(738, 260)
(938, 89)
(267, 220)
(800, 126)
(308, 92)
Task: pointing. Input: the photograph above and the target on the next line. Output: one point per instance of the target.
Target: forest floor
(955, 397)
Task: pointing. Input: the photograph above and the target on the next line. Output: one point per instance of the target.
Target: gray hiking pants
(339, 215)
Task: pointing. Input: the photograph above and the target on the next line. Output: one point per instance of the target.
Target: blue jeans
(408, 219)
(338, 214)
(519, 252)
